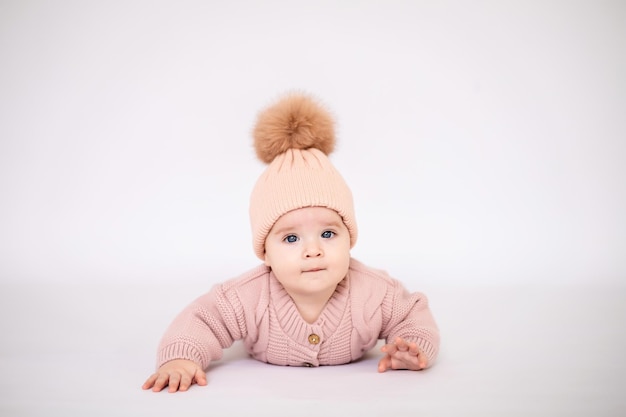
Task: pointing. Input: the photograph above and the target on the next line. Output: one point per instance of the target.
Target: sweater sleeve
(407, 315)
(203, 329)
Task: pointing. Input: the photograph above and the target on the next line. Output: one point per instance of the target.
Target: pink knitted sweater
(367, 305)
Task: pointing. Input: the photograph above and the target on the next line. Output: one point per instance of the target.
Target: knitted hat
(294, 136)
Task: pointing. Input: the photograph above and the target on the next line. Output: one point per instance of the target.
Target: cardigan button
(314, 339)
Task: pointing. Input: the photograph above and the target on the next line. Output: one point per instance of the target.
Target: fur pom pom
(295, 121)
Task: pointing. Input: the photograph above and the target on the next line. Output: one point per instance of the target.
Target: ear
(266, 260)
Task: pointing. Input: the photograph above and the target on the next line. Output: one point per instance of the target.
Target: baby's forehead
(305, 216)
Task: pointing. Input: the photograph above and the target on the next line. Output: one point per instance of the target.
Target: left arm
(410, 330)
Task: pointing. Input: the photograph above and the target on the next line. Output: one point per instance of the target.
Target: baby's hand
(178, 374)
(402, 355)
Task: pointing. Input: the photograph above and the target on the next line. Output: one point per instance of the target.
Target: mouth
(313, 270)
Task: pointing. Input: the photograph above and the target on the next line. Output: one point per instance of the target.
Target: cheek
(341, 255)
(280, 258)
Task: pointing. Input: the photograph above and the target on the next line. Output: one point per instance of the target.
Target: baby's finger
(384, 363)
(149, 382)
(422, 360)
(174, 382)
(402, 345)
(185, 382)
(389, 348)
(160, 382)
(200, 377)
(416, 358)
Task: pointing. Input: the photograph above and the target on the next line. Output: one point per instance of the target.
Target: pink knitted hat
(294, 136)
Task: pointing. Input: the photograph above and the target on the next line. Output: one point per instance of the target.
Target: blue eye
(291, 239)
(328, 234)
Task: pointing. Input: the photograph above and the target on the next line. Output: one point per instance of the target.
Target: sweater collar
(292, 322)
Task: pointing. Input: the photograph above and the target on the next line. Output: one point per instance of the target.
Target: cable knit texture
(367, 305)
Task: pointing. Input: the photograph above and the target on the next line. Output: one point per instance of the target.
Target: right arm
(196, 337)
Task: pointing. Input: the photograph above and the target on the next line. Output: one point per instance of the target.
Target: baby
(309, 303)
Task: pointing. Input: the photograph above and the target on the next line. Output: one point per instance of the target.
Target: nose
(313, 250)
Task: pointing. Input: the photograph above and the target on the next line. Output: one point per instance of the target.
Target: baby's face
(308, 250)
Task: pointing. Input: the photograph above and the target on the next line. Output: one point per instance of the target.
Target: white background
(484, 143)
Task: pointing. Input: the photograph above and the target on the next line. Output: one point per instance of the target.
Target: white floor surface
(85, 350)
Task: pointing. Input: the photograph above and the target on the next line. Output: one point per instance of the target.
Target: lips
(313, 270)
